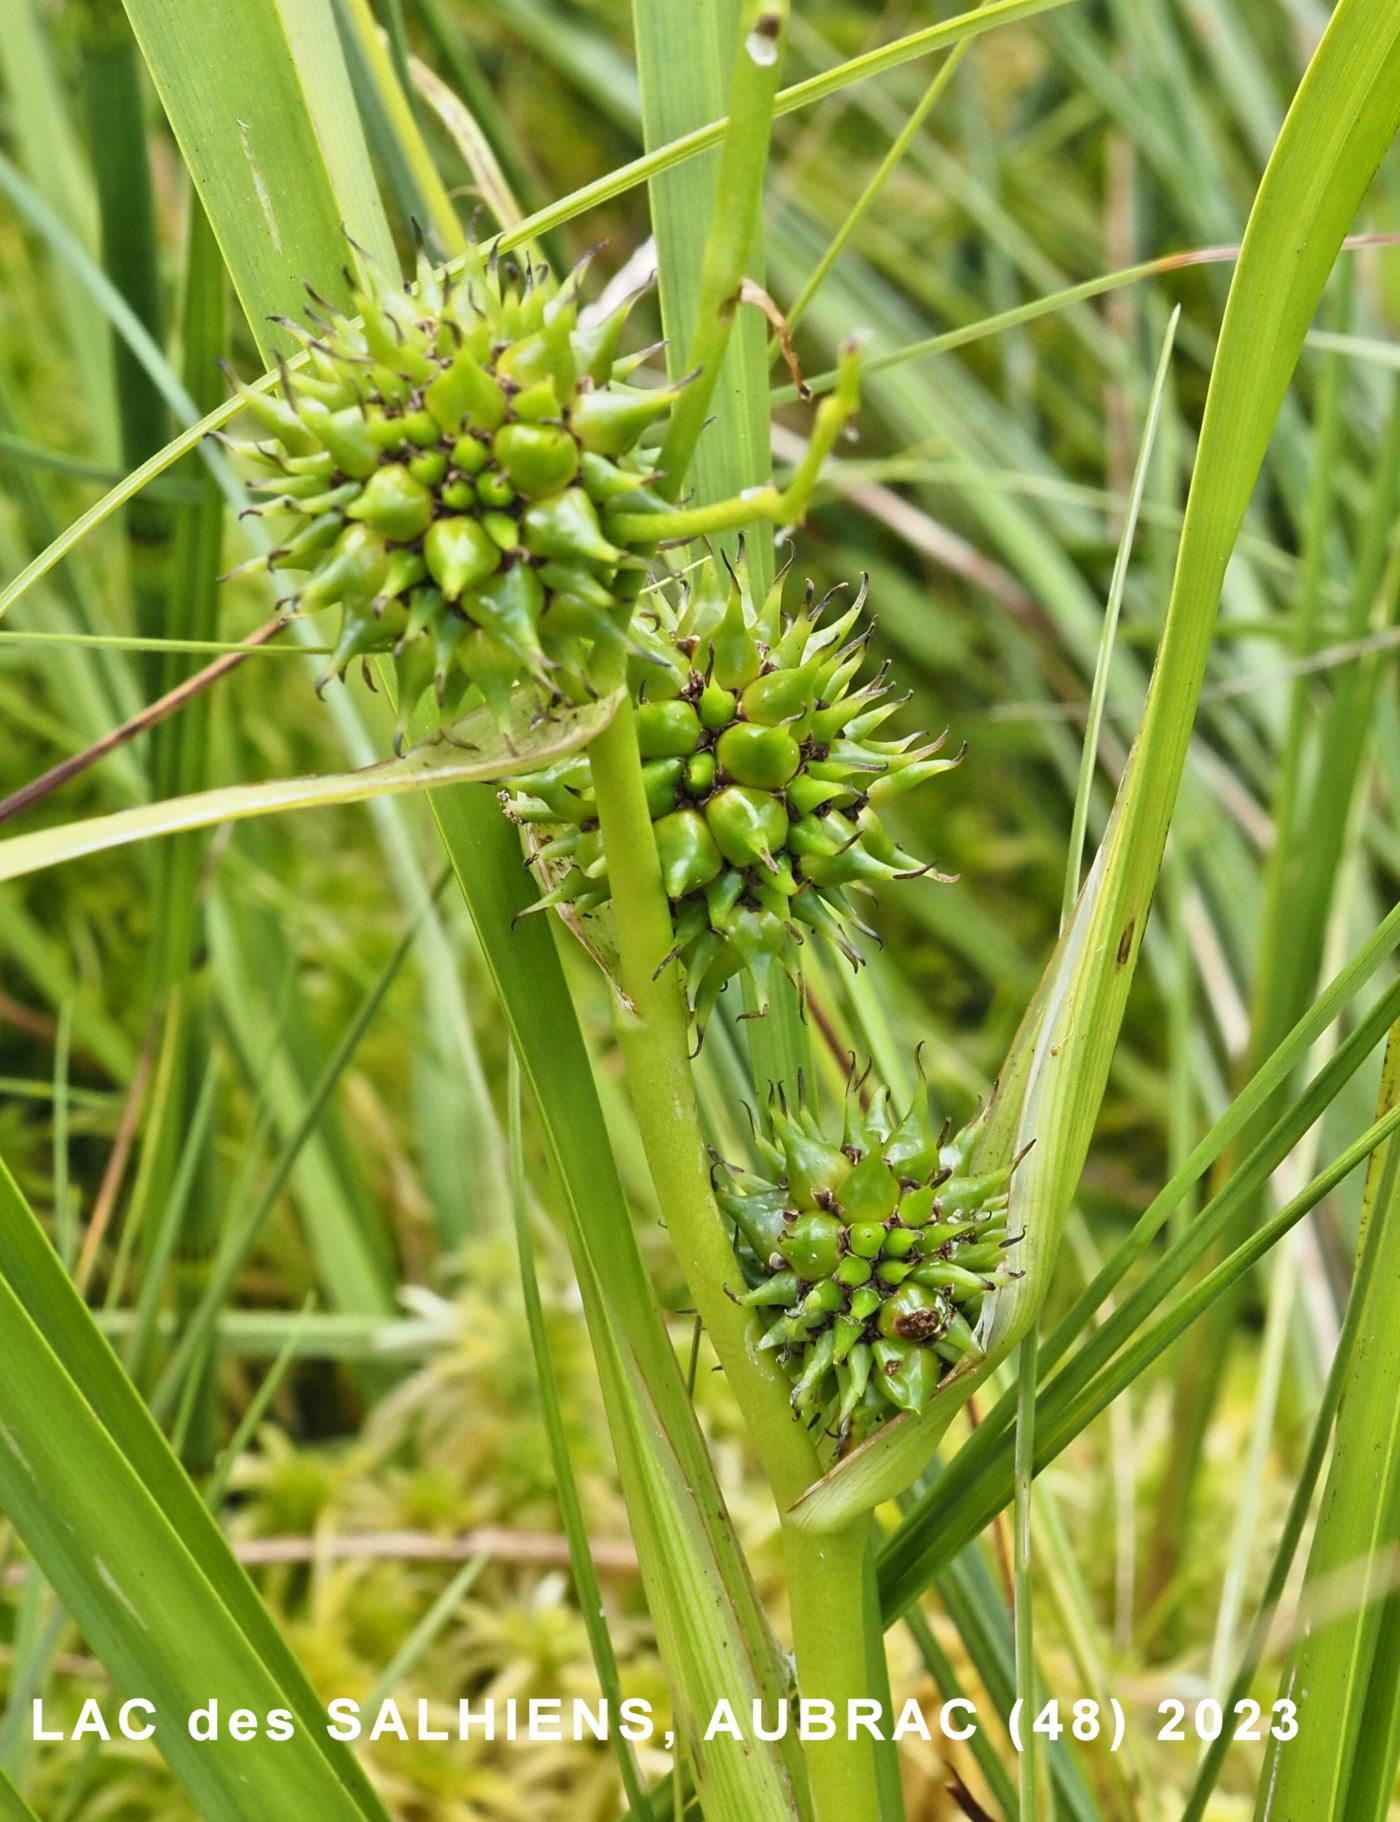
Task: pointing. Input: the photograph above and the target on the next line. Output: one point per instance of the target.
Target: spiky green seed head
(447, 471)
(765, 770)
(869, 1257)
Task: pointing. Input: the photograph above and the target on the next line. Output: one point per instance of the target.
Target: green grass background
(375, 1335)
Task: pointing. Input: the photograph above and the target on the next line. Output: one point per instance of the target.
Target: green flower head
(766, 771)
(446, 467)
(870, 1259)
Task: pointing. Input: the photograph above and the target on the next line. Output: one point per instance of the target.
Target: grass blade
(1342, 1762)
(259, 100)
(421, 194)
(1093, 726)
(586, 1585)
(936, 1526)
(114, 1524)
(705, 216)
(13, 1807)
(1310, 1473)
(51, 152)
(681, 1526)
(1342, 120)
(479, 748)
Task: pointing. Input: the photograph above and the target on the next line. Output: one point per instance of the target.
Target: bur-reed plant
(698, 756)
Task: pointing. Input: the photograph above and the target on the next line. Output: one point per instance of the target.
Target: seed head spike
(481, 443)
(864, 1298)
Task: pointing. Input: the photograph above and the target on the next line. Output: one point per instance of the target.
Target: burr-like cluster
(869, 1258)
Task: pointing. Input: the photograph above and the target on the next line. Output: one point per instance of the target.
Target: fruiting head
(870, 1259)
(765, 772)
(446, 467)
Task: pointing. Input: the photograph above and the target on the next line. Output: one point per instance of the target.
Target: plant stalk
(733, 229)
(771, 504)
(827, 1591)
(826, 1574)
(654, 1035)
(830, 1579)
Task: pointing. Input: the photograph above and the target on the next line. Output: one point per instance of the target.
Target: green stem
(828, 1577)
(865, 201)
(771, 504)
(826, 1593)
(826, 1574)
(654, 1035)
(738, 205)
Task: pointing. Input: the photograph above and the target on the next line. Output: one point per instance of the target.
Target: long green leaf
(477, 747)
(1305, 1485)
(686, 61)
(259, 99)
(114, 1524)
(13, 1807)
(690, 1560)
(394, 130)
(571, 1513)
(1342, 1761)
(961, 1500)
(1343, 118)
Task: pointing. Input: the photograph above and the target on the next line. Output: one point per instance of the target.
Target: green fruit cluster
(448, 469)
(870, 1260)
(765, 774)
